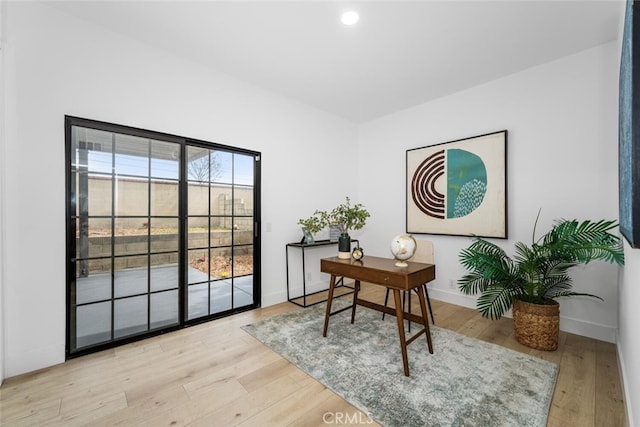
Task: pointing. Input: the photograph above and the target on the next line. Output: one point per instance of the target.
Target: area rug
(466, 382)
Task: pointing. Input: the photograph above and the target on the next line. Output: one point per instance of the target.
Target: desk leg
(403, 340)
(425, 318)
(356, 289)
(332, 286)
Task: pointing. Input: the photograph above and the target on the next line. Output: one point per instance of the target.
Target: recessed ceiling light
(350, 18)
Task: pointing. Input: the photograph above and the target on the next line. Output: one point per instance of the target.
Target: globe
(403, 246)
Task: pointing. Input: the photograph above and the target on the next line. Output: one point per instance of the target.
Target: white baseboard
(452, 297)
(273, 298)
(296, 291)
(625, 390)
(588, 329)
(567, 324)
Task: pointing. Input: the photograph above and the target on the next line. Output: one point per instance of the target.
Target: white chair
(424, 254)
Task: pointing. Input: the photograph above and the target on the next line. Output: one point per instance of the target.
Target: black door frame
(70, 213)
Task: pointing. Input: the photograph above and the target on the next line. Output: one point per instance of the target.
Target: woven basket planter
(537, 325)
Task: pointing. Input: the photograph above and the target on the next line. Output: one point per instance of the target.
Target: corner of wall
(2, 190)
(625, 385)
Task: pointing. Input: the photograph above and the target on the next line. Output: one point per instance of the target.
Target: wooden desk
(383, 271)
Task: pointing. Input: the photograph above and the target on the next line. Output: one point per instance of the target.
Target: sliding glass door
(162, 232)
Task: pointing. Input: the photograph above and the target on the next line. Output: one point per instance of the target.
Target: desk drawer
(380, 271)
(383, 278)
(364, 274)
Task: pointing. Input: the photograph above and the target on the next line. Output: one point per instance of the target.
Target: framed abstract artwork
(629, 128)
(459, 187)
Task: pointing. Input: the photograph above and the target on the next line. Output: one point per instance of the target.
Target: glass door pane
(126, 222)
(92, 188)
(221, 231)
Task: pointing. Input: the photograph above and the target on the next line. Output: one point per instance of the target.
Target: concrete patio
(130, 305)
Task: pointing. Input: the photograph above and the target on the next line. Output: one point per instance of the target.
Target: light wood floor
(215, 374)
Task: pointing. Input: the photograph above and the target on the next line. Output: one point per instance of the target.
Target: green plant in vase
(345, 216)
(311, 226)
(536, 275)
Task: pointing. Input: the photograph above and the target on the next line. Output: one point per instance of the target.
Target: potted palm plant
(531, 280)
(345, 216)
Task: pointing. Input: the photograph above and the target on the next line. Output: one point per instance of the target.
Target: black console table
(303, 247)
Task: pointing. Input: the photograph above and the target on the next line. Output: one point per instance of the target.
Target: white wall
(562, 157)
(2, 191)
(628, 338)
(56, 64)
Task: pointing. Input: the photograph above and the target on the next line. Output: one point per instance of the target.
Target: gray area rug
(466, 382)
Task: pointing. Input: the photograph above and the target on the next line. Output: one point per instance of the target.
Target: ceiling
(400, 54)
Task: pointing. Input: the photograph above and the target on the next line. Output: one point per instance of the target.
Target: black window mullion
(113, 233)
(71, 241)
(149, 154)
(233, 230)
(83, 206)
(209, 251)
(183, 236)
(257, 292)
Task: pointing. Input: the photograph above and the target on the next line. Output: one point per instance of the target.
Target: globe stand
(400, 263)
